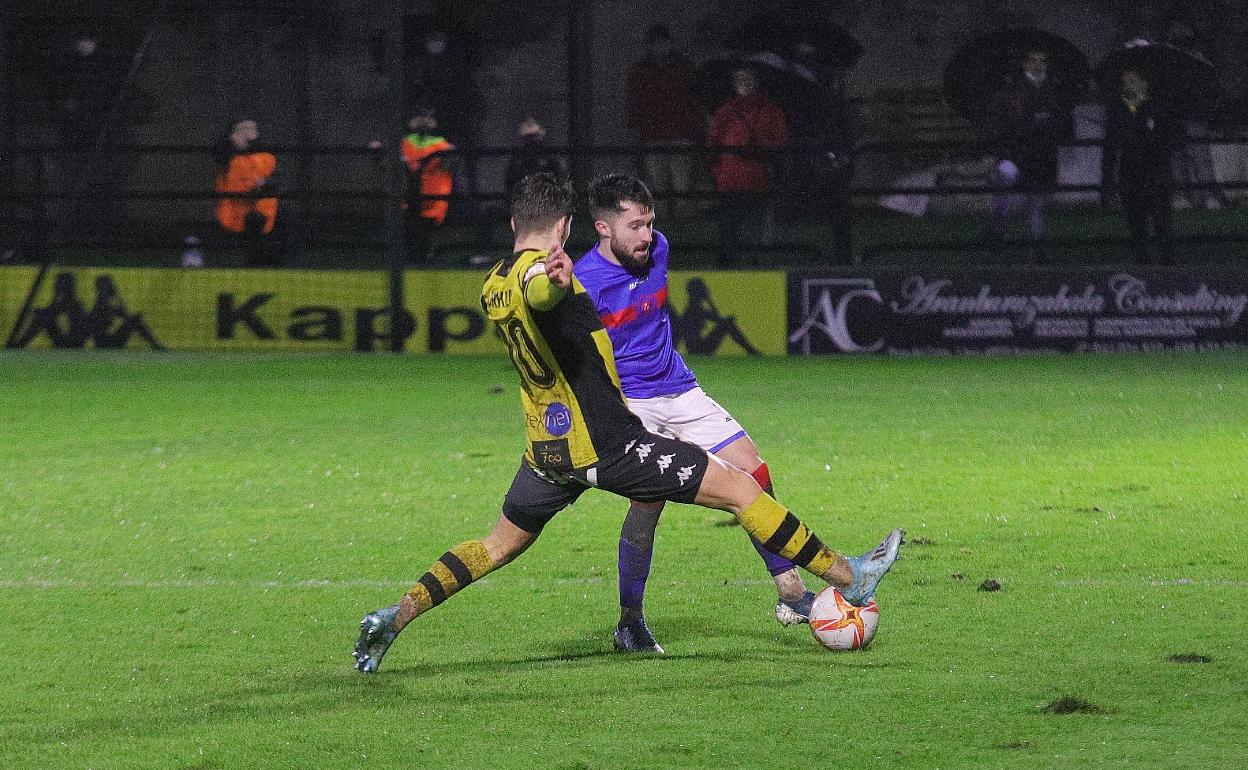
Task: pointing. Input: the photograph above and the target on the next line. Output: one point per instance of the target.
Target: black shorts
(647, 468)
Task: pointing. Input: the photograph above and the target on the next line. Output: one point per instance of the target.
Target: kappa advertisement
(976, 312)
(729, 313)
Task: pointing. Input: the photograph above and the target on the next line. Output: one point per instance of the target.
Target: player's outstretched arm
(559, 268)
(547, 282)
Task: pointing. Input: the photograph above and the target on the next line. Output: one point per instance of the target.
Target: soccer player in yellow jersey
(580, 434)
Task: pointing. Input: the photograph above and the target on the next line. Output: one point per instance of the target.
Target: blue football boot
(870, 568)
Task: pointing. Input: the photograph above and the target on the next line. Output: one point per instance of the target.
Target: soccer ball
(839, 625)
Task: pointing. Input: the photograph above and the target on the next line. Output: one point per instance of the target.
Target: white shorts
(693, 417)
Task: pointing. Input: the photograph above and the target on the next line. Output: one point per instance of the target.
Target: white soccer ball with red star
(839, 625)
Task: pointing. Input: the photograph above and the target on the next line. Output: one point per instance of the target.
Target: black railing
(842, 188)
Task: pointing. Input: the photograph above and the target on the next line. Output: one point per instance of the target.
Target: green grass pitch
(187, 544)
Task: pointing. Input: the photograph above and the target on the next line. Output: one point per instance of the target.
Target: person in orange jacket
(428, 175)
(247, 172)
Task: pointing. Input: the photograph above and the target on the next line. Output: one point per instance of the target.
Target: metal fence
(141, 200)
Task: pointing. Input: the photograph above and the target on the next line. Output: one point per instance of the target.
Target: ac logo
(828, 305)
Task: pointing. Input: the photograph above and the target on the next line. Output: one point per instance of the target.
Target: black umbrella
(813, 39)
(1184, 81)
(987, 64)
(790, 84)
(760, 32)
(830, 44)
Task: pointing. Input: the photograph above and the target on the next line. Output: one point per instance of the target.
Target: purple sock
(1035, 217)
(1000, 210)
(634, 570)
(776, 564)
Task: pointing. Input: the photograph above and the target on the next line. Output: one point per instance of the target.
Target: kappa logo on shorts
(643, 451)
(665, 462)
(684, 474)
(629, 446)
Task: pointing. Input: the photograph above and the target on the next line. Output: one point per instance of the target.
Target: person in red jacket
(745, 130)
(663, 110)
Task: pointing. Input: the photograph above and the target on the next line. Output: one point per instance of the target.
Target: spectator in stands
(1193, 165)
(1032, 120)
(1140, 135)
(533, 156)
(248, 174)
(439, 68)
(86, 80)
(1193, 162)
(429, 174)
(83, 85)
(744, 133)
(663, 110)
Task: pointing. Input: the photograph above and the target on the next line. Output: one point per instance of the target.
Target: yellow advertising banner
(714, 313)
(446, 305)
(197, 309)
(729, 313)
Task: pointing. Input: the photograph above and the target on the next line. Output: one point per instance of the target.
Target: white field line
(56, 583)
(38, 584)
(1154, 583)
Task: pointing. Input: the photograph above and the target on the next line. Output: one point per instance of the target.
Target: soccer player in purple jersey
(579, 433)
(626, 276)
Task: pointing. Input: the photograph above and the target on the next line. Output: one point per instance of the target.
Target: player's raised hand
(559, 268)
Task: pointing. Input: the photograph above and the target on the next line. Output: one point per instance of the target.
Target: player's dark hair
(608, 194)
(540, 200)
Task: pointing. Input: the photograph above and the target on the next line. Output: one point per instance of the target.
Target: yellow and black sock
(456, 568)
(780, 532)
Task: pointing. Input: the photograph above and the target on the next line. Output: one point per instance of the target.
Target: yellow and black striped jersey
(571, 398)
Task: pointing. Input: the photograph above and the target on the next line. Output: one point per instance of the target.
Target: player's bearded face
(632, 235)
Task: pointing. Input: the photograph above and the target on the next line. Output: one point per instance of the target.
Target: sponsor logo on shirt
(558, 419)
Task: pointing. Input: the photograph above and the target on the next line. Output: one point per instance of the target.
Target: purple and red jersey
(634, 311)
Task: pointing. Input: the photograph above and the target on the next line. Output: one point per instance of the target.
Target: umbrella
(791, 85)
(987, 64)
(760, 32)
(1183, 80)
(813, 39)
(830, 44)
